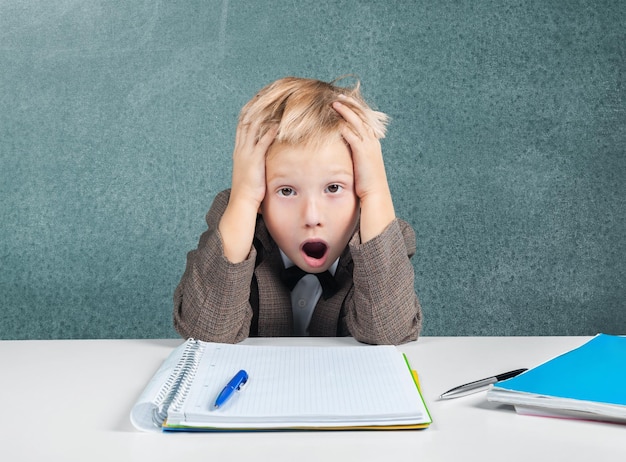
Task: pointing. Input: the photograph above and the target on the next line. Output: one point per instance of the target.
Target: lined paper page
(306, 385)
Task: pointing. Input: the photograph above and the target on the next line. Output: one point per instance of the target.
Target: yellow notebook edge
(416, 380)
(185, 428)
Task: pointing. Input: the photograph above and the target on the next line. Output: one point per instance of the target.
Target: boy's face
(310, 207)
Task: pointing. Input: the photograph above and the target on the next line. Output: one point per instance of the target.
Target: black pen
(478, 385)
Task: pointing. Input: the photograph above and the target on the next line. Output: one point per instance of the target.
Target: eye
(285, 192)
(334, 188)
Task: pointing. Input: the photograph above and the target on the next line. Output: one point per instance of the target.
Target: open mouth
(315, 250)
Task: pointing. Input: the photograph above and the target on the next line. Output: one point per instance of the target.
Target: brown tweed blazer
(219, 301)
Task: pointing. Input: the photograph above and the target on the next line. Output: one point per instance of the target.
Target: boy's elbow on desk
(390, 331)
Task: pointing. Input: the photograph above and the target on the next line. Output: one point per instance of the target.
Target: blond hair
(302, 110)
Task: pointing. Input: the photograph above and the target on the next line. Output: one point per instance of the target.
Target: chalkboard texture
(506, 151)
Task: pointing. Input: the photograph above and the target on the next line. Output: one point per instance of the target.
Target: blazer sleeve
(211, 302)
(383, 308)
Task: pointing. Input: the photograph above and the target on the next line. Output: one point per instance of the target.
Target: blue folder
(595, 371)
(589, 380)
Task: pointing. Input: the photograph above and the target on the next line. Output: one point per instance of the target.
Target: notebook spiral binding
(176, 388)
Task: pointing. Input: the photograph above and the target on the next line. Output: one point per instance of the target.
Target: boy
(309, 192)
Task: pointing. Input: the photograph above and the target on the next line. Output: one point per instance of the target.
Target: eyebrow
(281, 175)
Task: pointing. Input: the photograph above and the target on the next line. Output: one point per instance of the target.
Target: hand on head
(248, 182)
(367, 156)
(247, 190)
(370, 178)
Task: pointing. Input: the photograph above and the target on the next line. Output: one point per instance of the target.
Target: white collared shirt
(304, 297)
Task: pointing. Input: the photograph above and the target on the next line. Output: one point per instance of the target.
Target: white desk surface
(70, 400)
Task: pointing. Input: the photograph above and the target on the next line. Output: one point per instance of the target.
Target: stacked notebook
(588, 382)
(294, 387)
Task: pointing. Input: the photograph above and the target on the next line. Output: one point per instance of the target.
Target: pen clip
(235, 384)
(243, 379)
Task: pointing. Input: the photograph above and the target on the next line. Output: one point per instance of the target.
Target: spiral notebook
(293, 387)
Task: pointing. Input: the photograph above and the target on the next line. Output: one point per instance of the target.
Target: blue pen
(235, 384)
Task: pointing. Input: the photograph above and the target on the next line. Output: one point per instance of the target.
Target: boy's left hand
(370, 179)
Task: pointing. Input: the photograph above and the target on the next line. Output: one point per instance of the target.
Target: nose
(311, 212)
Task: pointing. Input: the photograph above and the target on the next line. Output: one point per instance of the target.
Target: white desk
(70, 400)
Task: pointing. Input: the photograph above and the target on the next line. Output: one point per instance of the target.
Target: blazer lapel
(275, 316)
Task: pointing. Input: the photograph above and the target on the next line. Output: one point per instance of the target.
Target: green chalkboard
(506, 151)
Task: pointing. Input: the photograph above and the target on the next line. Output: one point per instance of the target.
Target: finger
(243, 134)
(267, 139)
(353, 139)
(361, 129)
(345, 111)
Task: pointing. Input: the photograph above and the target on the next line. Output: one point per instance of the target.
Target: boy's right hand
(247, 191)
(248, 182)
